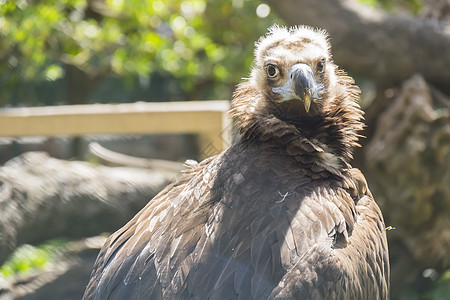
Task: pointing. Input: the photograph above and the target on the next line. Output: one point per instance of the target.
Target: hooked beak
(301, 85)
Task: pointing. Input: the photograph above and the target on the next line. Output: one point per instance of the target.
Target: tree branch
(44, 198)
(161, 165)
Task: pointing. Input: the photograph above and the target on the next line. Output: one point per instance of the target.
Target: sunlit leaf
(54, 72)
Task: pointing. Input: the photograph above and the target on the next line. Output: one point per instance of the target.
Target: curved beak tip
(307, 101)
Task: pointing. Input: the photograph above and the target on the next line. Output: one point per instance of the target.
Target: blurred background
(61, 195)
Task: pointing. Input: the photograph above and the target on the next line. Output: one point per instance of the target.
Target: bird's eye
(321, 65)
(272, 70)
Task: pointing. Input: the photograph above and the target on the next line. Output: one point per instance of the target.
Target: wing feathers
(198, 241)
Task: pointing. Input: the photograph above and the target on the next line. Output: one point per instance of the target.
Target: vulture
(280, 214)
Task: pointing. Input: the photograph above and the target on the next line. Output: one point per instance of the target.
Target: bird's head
(293, 67)
(295, 88)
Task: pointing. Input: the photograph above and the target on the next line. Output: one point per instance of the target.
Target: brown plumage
(279, 214)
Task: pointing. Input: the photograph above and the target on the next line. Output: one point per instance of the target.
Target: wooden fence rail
(206, 118)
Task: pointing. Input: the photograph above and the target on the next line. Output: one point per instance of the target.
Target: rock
(409, 161)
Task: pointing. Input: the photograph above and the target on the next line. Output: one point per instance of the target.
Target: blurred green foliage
(27, 258)
(438, 290)
(206, 46)
(413, 6)
(441, 288)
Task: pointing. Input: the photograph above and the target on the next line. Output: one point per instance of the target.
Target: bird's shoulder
(353, 262)
(149, 232)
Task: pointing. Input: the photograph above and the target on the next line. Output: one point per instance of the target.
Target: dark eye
(321, 65)
(272, 70)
